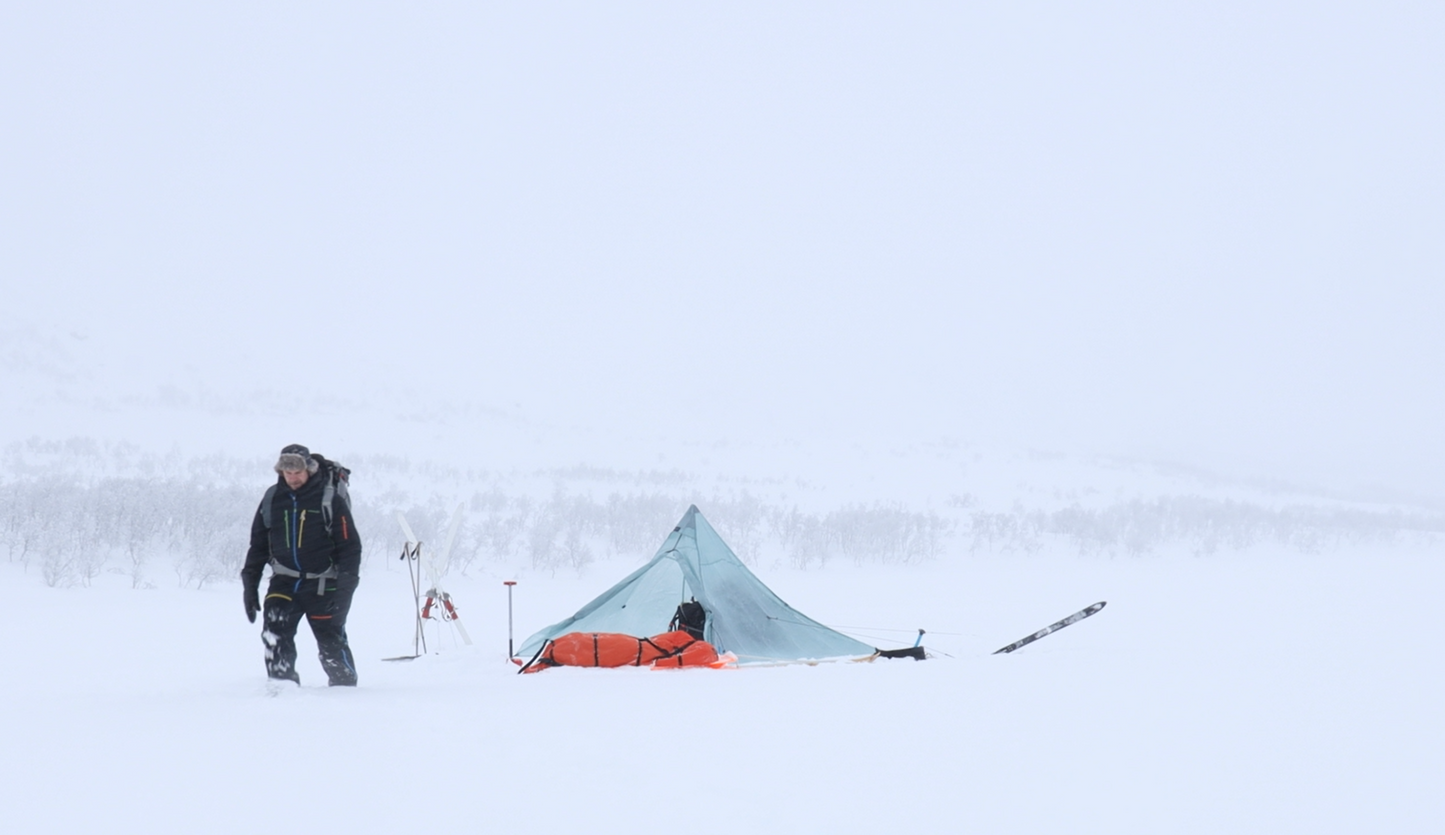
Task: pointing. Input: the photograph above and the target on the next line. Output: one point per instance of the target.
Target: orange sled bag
(611, 649)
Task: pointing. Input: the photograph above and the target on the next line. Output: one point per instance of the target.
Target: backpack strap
(336, 476)
(266, 506)
(328, 494)
(321, 578)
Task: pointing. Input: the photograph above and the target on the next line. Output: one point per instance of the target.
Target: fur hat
(296, 457)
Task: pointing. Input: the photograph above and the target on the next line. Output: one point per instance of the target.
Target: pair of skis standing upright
(437, 598)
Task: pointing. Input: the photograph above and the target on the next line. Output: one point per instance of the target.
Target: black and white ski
(1053, 627)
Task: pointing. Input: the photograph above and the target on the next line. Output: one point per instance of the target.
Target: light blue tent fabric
(744, 617)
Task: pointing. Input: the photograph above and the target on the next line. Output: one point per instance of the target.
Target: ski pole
(509, 584)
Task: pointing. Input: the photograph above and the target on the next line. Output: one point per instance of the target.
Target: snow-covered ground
(1265, 662)
(948, 317)
(1268, 691)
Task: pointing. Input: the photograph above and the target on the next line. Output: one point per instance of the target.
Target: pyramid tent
(744, 617)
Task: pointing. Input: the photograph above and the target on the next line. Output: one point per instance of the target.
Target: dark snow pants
(286, 603)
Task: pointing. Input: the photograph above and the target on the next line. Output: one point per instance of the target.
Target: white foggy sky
(1207, 235)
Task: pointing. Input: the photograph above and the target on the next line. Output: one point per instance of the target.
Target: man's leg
(327, 615)
(278, 633)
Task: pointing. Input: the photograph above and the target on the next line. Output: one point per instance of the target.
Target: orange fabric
(671, 643)
(699, 654)
(611, 649)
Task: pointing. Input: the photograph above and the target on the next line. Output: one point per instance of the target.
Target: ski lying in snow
(1053, 627)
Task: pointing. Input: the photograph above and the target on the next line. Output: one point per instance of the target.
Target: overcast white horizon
(1207, 236)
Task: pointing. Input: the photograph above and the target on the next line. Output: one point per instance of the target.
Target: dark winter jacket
(297, 537)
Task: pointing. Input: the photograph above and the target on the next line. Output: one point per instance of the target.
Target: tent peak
(687, 520)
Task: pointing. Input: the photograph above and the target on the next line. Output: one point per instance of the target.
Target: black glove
(252, 599)
(347, 582)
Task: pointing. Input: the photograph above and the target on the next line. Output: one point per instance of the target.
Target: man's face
(295, 478)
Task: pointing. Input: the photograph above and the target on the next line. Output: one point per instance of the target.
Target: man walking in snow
(304, 531)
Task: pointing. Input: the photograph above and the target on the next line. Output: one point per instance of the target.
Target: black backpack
(338, 481)
(690, 618)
